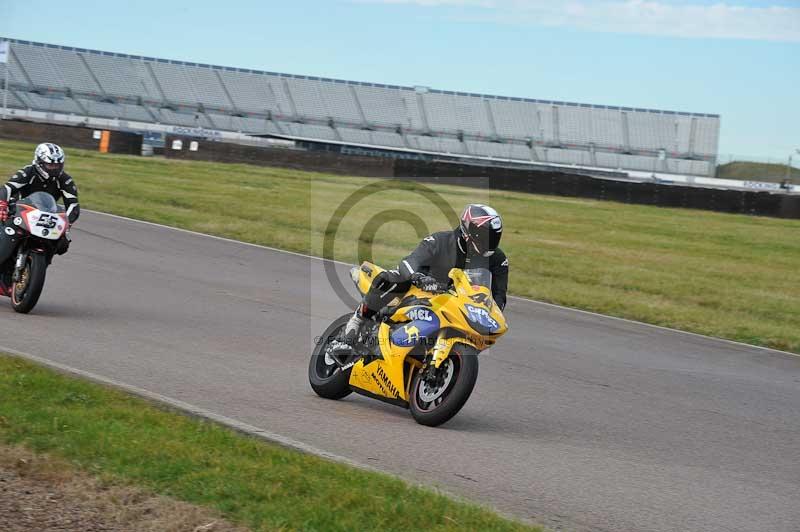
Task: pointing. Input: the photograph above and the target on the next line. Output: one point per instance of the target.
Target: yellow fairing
(457, 310)
(364, 275)
(388, 377)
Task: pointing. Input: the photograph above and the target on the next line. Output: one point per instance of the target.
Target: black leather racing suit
(27, 181)
(436, 255)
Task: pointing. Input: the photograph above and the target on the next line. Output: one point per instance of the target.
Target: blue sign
(425, 326)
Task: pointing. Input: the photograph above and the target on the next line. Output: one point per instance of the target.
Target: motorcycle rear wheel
(25, 293)
(324, 375)
(434, 404)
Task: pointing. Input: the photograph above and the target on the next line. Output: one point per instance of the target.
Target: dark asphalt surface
(578, 421)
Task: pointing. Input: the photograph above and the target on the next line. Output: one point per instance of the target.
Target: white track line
(192, 410)
(280, 439)
(245, 428)
(250, 244)
(518, 298)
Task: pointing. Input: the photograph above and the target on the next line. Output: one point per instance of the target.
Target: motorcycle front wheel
(436, 398)
(325, 376)
(25, 292)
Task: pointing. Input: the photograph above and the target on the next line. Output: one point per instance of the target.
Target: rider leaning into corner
(45, 174)
(473, 244)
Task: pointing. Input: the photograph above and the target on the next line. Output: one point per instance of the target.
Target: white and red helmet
(48, 160)
(481, 228)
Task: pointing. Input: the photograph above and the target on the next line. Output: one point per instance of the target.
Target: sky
(736, 58)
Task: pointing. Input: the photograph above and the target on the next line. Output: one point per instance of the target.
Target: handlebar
(441, 288)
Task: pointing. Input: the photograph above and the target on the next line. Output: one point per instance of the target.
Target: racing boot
(354, 325)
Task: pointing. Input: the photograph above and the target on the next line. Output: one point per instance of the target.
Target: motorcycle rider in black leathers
(473, 244)
(44, 174)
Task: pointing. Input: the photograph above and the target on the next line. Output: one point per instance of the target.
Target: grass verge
(752, 171)
(40, 492)
(259, 485)
(730, 276)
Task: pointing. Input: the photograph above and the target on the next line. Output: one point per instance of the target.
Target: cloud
(654, 17)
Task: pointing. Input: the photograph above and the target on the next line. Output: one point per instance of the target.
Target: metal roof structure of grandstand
(351, 82)
(82, 82)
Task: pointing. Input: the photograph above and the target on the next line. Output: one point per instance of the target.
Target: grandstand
(75, 82)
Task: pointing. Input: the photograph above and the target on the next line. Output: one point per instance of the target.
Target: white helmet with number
(48, 160)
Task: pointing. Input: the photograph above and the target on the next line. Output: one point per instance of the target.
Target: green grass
(731, 276)
(752, 171)
(250, 482)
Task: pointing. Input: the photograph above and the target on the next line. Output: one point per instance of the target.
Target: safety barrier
(72, 136)
(560, 183)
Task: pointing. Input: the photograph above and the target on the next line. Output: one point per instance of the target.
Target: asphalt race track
(578, 421)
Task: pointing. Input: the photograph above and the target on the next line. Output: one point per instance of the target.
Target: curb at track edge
(244, 428)
(192, 410)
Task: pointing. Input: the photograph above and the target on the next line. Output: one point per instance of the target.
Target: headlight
(480, 320)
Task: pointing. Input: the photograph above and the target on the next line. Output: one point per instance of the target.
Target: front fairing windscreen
(479, 277)
(41, 201)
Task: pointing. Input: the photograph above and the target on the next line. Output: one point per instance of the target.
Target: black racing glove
(425, 282)
(386, 278)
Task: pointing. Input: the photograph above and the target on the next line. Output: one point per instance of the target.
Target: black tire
(328, 380)
(464, 359)
(23, 301)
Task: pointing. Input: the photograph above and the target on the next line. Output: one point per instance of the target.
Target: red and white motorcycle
(35, 225)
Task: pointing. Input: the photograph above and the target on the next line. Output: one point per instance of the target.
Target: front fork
(19, 265)
(441, 349)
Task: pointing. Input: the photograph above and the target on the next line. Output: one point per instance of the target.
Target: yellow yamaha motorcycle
(420, 352)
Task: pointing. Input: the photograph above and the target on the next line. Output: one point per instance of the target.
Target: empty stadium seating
(73, 81)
